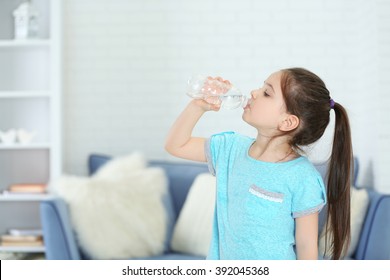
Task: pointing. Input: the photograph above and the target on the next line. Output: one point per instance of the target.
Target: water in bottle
(215, 92)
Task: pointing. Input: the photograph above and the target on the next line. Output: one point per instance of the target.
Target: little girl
(268, 194)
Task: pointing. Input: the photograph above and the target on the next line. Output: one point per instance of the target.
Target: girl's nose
(253, 94)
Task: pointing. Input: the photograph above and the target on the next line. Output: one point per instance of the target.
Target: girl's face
(266, 109)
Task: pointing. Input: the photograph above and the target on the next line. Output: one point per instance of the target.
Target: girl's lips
(248, 105)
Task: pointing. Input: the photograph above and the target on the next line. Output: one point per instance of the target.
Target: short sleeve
(310, 197)
(216, 148)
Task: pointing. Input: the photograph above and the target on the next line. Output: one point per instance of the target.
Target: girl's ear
(290, 122)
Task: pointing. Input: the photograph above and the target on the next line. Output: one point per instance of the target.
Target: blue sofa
(61, 244)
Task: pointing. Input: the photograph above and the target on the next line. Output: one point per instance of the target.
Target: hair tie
(331, 103)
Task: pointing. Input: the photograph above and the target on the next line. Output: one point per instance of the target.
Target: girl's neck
(272, 149)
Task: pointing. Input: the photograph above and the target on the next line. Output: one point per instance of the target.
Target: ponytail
(307, 97)
(339, 184)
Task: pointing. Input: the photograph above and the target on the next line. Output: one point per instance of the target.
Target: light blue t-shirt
(257, 202)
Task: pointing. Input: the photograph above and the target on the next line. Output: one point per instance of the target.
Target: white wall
(381, 98)
(127, 63)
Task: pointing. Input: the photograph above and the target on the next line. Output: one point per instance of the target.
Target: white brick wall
(127, 63)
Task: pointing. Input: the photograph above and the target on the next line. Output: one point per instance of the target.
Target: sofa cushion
(192, 233)
(118, 212)
(180, 176)
(359, 205)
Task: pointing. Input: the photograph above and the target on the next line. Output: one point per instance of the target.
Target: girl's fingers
(207, 106)
(217, 85)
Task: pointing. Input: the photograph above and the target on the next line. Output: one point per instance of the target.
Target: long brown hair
(307, 97)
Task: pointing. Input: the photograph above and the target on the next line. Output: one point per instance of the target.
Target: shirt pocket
(263, 205)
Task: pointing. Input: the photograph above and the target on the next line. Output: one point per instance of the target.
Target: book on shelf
(25, 238)
(27, 188)
(20, 238)
(35, 243)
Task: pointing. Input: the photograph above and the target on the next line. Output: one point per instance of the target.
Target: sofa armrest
(60, 242)
(374, 243)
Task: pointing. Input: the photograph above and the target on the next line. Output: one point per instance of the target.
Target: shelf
(38, 249)
(25, 197)
(30, 99)
(24, 43)
(31, 146)
(24, 93)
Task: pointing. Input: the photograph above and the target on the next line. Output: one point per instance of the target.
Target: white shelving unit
(30, 98)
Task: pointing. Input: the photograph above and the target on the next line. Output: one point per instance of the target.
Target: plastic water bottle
(216, 92)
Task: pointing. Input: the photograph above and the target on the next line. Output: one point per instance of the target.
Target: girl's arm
(306, 237)
(180, 142)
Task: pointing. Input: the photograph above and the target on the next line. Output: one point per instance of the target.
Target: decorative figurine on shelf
(13, 136)
(8, 137)
(24, 136)
(26, 21)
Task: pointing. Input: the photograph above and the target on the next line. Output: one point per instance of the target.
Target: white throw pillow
(193, 229)
(118, 213)
(359, 206)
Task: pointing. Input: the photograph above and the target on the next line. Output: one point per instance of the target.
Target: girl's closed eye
(266, 94)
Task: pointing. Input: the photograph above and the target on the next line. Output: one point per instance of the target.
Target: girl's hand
(216, 86)
(206, 106)
(213, 89)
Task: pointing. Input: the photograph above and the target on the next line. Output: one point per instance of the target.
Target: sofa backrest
(182, 174)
